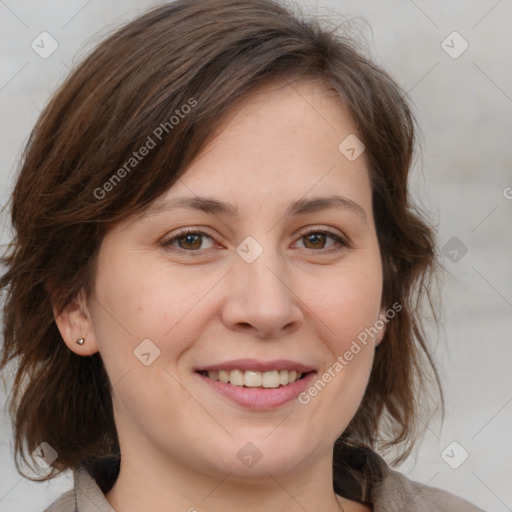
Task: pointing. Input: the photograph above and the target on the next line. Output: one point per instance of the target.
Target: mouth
(254, 379)
(257, 385)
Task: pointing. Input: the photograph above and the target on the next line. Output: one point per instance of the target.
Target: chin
(273, 464)
(258, 455)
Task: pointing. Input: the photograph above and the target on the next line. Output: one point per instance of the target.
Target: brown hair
(209, 54)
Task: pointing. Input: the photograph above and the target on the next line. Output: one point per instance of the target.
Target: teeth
(236, 377)
(285, 377)
(252, 379)
(271, 379)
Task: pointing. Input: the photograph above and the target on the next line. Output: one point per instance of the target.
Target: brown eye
(190, 241)
(317, 240)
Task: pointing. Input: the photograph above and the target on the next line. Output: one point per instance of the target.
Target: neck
(150, 482)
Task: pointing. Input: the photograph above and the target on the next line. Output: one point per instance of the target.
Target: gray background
(464, 109)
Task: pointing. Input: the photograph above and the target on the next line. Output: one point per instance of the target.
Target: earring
(80, 341)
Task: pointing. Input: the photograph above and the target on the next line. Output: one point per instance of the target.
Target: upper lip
(257, 366)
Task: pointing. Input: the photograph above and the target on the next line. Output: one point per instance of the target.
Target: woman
(216, 272)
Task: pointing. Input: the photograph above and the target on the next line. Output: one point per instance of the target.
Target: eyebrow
(216, 207)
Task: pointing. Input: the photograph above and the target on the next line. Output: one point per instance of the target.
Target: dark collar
(356, 472)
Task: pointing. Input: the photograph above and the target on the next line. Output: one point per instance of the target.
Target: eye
(188, 240)
(316, 239)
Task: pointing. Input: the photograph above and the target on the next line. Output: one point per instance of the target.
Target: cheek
(346, 308)
(140, 323)
(347, 314)
(348, 305)
(156, 304)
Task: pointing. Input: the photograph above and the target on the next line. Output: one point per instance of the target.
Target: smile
(257, 385)
(255, 379)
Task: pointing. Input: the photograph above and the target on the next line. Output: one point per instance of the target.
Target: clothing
(359, 474)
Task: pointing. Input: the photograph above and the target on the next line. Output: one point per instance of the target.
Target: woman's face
(249, 292)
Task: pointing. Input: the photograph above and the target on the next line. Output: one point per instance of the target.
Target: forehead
(283, 108)
(287, 128)
(280, 145)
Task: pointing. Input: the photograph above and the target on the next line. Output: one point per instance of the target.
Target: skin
(179, 439)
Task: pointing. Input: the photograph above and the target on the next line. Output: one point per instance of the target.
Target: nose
(261, 298)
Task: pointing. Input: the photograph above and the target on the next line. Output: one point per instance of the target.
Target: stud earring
(80, 341)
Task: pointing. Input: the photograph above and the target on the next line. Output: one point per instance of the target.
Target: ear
(75, 322)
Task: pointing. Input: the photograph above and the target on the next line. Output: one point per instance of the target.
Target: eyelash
(342, 243)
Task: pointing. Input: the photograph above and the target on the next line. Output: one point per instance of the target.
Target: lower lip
(259, 399)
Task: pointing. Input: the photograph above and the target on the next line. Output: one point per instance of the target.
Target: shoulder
(86, 496)
(360, 474)
(397, 492)
(64, 503)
